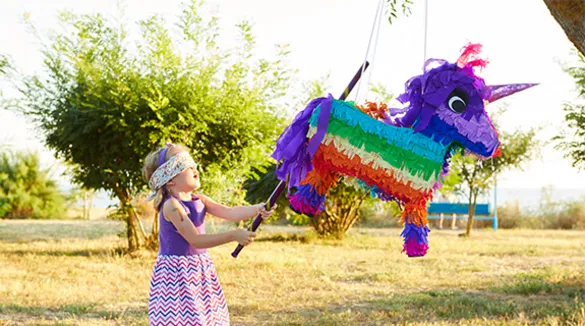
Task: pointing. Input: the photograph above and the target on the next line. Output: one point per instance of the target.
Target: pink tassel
(469, 56)
(415, 249)
(300, 207)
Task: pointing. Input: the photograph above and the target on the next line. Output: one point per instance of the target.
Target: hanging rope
(375, 30)
(426, 29)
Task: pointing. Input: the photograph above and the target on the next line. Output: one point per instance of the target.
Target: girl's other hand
(263, 212)
(244, 237)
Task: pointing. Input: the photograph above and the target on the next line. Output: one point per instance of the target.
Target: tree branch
(569, 14)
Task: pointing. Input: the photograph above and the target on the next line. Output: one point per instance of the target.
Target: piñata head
(402, 158)
(447, 103)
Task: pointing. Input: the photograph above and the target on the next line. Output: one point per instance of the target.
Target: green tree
(4, 65)
(27, 190)
(342, 210)
(86, 197)
(104, 102)
(5, 68)
(396, 7)
(572, 140)
(474, 177)
(381, 93)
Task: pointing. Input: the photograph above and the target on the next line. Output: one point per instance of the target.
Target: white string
(426, 29)
(377, 19)
(375, 45)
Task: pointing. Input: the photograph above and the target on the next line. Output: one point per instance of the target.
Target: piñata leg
(309, 199)
(415, 231)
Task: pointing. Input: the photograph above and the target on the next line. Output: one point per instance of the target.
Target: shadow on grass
(77, 312)
(25, 231)
(441, 306)
(72, 253)
(287, 237)
(540, 284)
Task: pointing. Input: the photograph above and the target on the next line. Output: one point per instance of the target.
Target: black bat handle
(276, 193)
(258, 220)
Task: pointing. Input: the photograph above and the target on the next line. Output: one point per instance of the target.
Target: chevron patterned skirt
(184, 290)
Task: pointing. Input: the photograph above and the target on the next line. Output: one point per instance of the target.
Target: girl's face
(187, 181)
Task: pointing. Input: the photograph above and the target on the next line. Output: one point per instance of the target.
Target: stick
(282, 184)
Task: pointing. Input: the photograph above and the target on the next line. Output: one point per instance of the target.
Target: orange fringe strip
(374, 110)
(328, 158)
(321, 181)
(416, 214)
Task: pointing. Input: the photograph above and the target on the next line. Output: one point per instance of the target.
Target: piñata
(397, 154)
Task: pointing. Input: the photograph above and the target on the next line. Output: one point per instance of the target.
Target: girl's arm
(234, 214)
(175, 213)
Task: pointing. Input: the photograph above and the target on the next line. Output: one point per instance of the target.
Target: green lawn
(72, 273)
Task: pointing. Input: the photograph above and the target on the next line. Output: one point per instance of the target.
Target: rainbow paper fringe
(405, 157)
(393, 163)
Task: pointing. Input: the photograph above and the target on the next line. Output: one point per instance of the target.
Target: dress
(184, 288)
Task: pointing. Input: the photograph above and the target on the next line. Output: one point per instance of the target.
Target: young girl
(184, 288)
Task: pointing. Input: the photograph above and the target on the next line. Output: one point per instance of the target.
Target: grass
(72, 273)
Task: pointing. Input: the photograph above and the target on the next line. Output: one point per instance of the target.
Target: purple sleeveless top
(171, 241)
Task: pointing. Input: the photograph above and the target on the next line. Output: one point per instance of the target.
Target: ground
(73, 273)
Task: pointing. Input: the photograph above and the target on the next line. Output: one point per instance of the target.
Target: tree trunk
(153, 242)
(133, 225)
(90, 203)
(85, 204)
(471, 211)
(134, 239)
(570, 16)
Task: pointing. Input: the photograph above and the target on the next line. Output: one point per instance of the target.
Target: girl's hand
(263, 212)
(244, 237)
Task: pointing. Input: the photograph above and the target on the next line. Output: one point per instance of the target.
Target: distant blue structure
(483, 212)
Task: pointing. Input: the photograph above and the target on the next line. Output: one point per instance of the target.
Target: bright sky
(521, 39)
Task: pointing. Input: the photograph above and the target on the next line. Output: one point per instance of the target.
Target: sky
(330, 37)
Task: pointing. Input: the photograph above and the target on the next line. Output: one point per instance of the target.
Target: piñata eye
(457, 100)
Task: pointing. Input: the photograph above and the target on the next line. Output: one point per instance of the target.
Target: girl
(184, 288)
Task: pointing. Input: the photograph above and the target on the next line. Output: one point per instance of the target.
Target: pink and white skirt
(185, 290)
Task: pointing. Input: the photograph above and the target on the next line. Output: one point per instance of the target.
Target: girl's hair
(151, 164)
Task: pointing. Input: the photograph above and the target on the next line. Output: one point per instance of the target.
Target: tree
(27, 190)
(260, 186)
(4, 65)
(569, 14)
(5, 68)
(394, 6)
(478, 177)
(342, 210)
(86, 196)
(103, 103)
(574, 143)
